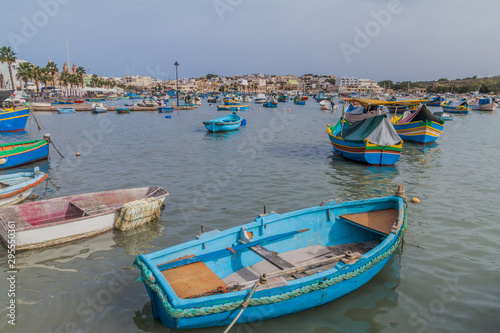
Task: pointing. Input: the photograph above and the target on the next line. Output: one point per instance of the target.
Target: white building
(349, 82)
(4, 69)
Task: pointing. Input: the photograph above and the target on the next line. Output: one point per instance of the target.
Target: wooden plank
(88, 205)
(194, 279)
(379, 220)
(272, 257)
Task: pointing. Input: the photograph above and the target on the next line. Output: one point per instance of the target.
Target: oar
(226, 251)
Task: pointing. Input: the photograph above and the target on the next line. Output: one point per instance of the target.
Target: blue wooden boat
(458, 106)
(241, 107)
(435, 101)
(373, 140)
(230, 122)
(13, 120)
(283, 98)
(66, 110)
(59, 102)
(299, 101)
(443, 116)
(419, 126)
(122, 110)
(277, 265)
(16, 187)
(271, 102)
(165, 109)
(24, 152)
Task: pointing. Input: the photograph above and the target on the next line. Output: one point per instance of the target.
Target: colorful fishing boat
(260, 99)
(299, 101)
(162, 109)
(457, 106)
(434, 101)
(54, 221)
(66, 110)
(223, 124)
(13, 120)
(373, 140)
(419, 126)
(241, 107)
(16, 187)
(283, 98)
(277, 265)
(4, 94)
(271, 102)
(24, 152)
(483, 104)
(59, 102)
(122, 110)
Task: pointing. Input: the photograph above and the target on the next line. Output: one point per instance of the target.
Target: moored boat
(299, 101)
(435, 101)
(230, 122)
(65, 110)
(373, 140)
(54, 221)
(98, 108)
(283, 98)
(16, 187)
(457, 106)
(165, 109)
(122, 110)
(260, 99)
(13, 120)
(483, 104)
(271, 102)
(240, 107)
(443, 116)
(277, 265)
(419, 126)
(24, 152)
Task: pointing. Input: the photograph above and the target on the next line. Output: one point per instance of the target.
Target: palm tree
(51, 67)
(94, 80)
(25, 73)
(65, 78)
(81, 72)
(8, 56)
(37, 74)
(74, 79)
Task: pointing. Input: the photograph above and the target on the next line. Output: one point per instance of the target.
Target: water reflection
(357, 180)
(137, 241)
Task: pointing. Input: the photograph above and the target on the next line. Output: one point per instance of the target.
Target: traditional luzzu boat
(16, 187)
(277, 265)
(458, 106)
(419, 126)
(13, 120)
(435, 101)
(239, 107)
(483, 104)
(373, 140)
(24, 152)
(230, 122)
(299, 101)
(54, 221)
(271, 102)
(122, 110)
(283, 98)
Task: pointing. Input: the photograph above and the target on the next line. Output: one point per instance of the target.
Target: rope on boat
(149, 279)
(243, 307)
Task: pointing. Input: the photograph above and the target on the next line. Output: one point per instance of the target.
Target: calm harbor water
(445, 278)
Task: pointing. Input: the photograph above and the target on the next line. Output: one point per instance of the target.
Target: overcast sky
(376, 39)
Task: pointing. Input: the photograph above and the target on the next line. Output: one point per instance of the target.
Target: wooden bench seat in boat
(193, 279)
(380, 221)
(9, 214)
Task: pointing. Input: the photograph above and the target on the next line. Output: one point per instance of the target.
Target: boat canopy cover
(378, 130)
(422, 114)
(458, 103)
(358, 113)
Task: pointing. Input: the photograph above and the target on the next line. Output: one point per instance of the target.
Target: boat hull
(24, 152)
(13, 121)
(233, 107)
(296, 295)
(449, 109)
(54, 227)
(485, 107)
(20, 186)
(419, 131)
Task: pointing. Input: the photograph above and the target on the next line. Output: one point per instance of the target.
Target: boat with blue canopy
(230, 122)
(483, 104)
(277, 265)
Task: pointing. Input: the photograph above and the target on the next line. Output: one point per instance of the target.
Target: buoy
(3, 161)
(243, 122)
(168, 117)
(415, 200)
(77, 154)
(260, 109)
(289, 110)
